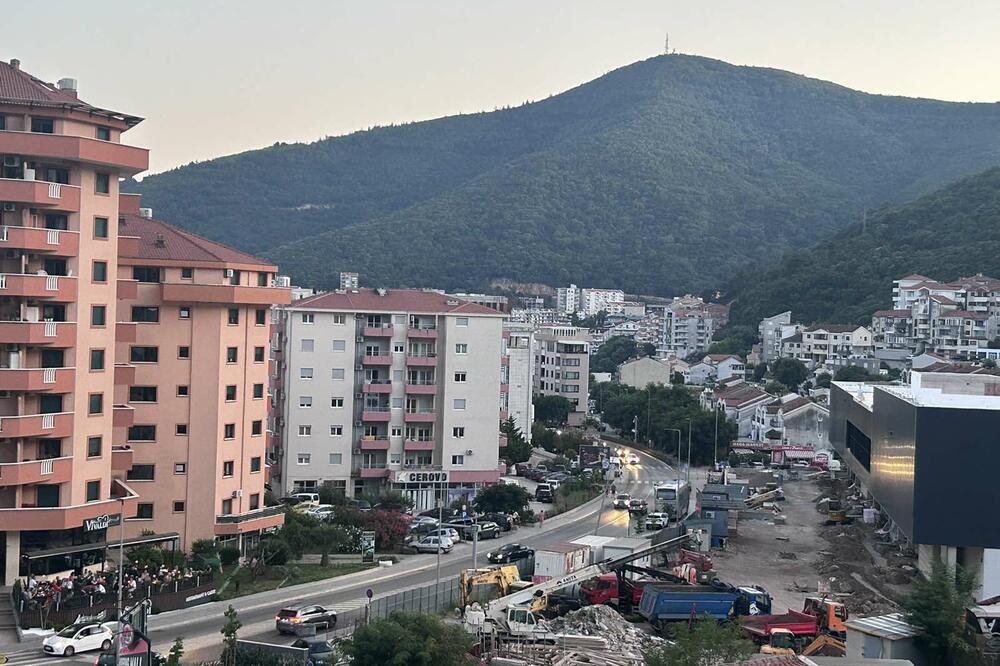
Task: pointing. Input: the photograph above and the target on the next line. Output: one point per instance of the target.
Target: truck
(665, 602)
(558, 559)
(596, 544)
(624, 546)
(672, 498)
(606, 589)
(761, 627)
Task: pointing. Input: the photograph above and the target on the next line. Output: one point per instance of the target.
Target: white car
(446, 532)
(633, 459)
(423, 520)
(79, 638)
(656, 521)
(321, 512)
(430, 544)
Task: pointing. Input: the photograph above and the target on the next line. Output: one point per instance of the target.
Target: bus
(670, 495)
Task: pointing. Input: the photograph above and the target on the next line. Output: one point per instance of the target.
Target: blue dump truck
(666, 602)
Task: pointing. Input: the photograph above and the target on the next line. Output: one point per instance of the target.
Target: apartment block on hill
(689, 323)
(562, 367)
(830, 346)
(519, 352)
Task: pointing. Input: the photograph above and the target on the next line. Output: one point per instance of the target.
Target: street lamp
(687, 474)
(121, 579)
(677, 491)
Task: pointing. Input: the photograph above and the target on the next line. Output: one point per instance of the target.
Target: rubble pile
(623, 637)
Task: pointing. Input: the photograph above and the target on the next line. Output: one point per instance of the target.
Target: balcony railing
(249, 515)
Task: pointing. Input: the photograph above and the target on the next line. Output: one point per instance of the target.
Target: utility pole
(440, 501)
(715, 450)
(677, 468)
(649, 407)
(121, 572)
(635, 428)
(687, 474)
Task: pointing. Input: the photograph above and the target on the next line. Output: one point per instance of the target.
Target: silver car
(430, 544)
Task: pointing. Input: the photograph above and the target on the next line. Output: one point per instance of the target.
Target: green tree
(601, 392)
(707, 643)
(409, 639)
(331, 494)
(329, 538)
(176, 652)
(646, 349)
(205, 553)
(936, 605)
(676, 378)
(542, 436)
(854, 373)
(612, 353)
(789, 371)
(390, 500)
(229, 635)
(552, 410)
(759, 371)
(501, 498)
(823, 380)
(776, 388)
(518, 448)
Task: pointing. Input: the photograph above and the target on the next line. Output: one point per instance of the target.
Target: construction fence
(432, 598)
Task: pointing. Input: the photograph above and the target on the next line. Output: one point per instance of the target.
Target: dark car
(543, 493)
(292, 616)
(321, 652)
(637, 506)
(512, 552)
(501, 519)
(360, 505)
(487, 530)
(522, 469)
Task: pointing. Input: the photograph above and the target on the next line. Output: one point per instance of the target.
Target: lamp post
(677, 491)
(121, 571)
(715, 449)
(687, 474)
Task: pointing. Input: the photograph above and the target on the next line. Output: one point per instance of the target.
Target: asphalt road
(199, 626)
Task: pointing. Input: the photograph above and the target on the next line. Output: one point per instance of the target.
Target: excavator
(481, 585)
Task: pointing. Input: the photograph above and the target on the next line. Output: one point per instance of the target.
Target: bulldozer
(825, 646)
(836, 513)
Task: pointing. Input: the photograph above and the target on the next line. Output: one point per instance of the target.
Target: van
(543, 493)
(306, 497)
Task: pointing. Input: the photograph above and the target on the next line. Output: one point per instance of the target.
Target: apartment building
(568, 299)
(641, 372)
(393, 388)
(491, 301)
(772, 331)
(715, 368)
(562, 367)
(191, 372)
(830, 346)
(612, 301)
(689, 323)
(792, 420)
(518, 372)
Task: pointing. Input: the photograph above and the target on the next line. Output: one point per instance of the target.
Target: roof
(834, 328)
(740, 394)
(159, 241)
(943, 300)
(794, 404)
(963, 314)
(891, 626)
(19, 87)
(562, 547)
(891, 313)
(397, 300)
(793, 338)
(719, 358)
(916, 276)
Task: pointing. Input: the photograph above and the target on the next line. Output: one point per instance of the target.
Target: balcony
(48, 380)
(127, 290)
(377, 359)
(52, 470)
(224, 293)
(126, 160)
(124, 374)
(504, 414)
(37, 239)
(378, 331)
(37, 425)
(121, 458)
(373, 472)
(419, 444)
(422, 333)
(55, 333)
(122, 416)
(28, 518)
(428, 360)
(125, 331)
(374, 444)
(421, 388)
(428, 416)
(250, 521)
(376, 415)
(58, 288)
(377, 386)
(40, 194)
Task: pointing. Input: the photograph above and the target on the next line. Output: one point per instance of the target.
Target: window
(100, 272)
(305, 401)
(336, 430)
(260, 317)
(395, 458)
(305, 431)
(306, 344)
(180, 468)
(234, 316)
(458, 461)
(184, 352)
(336, 459)
(339, 345)
(258, 354)
(305, 373)
(258, 391)
(100, 227)
(184, 312)
(261, 279)
(233, 276)
(181, 429)
(178, 506)
(144, 354)
(182, 391)
(141, 473)
(146, 274)
(94, 447)
(187, 273)
(336, 403)
(308, 318)
(570, 375)
(95, 403)
(141, 433)
(145, 313)
(102, 183)
(303, 459)
(104, 133)
(256, 428)
(461, 348)
(338, 374)
(254, 501)
(142, 394)
(43, 125)
(460, 377)
(3, 122)
(96, 359)
(144, 511)
(398, 348)
(227, 468)
(98, 315)
(570, 388)
(231, 393)
(459, 403)
(339, 319)
(458, 432)
(462, 321)
(231, 354)
(227, 507)
(255, 464)
(396, 431)
(229, 431)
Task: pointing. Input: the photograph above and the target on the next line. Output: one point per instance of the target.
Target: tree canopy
(707, 643)
(409, 639)
(501, 498)
(788, 371)
(937, 606)
(613, 352)
(518, 448)
(551, 410)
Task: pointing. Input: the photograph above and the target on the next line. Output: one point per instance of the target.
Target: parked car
(80, 637)
(423, 520)
(321, 652)
(637, 506)
(521, 469)
(543, 493)
(305, 506)
(360, 505)
(501, 519)
(511, 552)
(297, 614)
(656, 521)
(306, 497)
(430, 544)
(621, 501)
(111, 659)
(487, 530)
(321, 512)
(290, 500)
(445, 513)
(449, 532)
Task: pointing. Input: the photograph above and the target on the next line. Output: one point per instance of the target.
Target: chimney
(67, 85)
(146, 213)
(15, 63)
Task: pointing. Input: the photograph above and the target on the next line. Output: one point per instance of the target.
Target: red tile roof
(719, 358)
(916, 276)
(833, 328)
(394, 300)
(740, 394)
(943, 300)
(794, 404)
(161, 241)
(964, 314)
(891, 313)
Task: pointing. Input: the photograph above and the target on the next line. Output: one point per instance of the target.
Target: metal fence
(432, 598)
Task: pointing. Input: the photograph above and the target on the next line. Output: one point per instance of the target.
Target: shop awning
(146, 538)
(64, 550)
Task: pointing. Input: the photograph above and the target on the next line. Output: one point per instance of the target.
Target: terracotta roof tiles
(393, 300)
(161, 241)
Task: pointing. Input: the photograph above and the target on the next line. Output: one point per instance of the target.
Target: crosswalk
(33, 655)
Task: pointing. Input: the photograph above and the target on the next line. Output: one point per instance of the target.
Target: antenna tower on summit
(666, 46)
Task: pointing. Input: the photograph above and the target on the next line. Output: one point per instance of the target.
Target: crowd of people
(95, 585)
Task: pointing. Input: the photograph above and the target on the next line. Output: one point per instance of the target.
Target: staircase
(8, 632)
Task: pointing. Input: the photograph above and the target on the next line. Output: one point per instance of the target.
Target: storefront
(48, 553)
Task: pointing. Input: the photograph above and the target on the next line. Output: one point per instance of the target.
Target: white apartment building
(689, 323)
(829, 346)
(593, 301)
(715, 368)
(772, 331)
(792, 420)
(390, 388)
(519, 368)
(562, 367)
(568, 299)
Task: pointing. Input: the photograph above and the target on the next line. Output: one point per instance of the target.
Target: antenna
(666, 44)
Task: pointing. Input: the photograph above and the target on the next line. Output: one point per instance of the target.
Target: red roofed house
(792, 420)
(739, 401)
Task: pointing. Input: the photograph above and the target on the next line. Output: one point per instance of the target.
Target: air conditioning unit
(228, 273)
(358, 396)
(358, 424)
(360, 338)
(10, 208)
(237, 493)
(359, 367)
(11, 160)
(468, 452)
(357, 452)
(5, 394)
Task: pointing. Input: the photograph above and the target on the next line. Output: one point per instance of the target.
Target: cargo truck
(671, 602)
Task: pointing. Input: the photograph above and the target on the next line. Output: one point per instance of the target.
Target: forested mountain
(664, 176)
(950, 233)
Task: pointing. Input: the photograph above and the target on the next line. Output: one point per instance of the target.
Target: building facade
(519, 352)
(792, 420)
(689, 323)
(562, 367)
(641, 372)
(772, 331)
(830, 346)
(390, 389)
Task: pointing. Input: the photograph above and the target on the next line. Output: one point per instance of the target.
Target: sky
(217, 77)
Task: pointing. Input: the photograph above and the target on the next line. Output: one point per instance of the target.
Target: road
(199, 626)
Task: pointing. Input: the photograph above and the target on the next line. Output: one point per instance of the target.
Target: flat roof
(891, 626)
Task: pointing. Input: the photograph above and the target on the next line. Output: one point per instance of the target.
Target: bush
(229, 555)
(412, 639)
(501, 498)
(330, 494)
(390, 528)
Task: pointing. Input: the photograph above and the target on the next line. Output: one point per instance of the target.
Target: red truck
(604, 589)
(760, 627)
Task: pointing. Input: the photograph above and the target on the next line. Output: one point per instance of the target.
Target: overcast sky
(215, 77)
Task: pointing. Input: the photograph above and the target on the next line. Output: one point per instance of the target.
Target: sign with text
(422, 477)
(102, 522)
(367, 546)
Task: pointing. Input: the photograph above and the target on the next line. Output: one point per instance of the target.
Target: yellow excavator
(491, 583)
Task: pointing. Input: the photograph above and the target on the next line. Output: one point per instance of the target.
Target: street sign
(368, 546)
(369, 593)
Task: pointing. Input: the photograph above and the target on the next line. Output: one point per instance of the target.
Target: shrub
(229, 555)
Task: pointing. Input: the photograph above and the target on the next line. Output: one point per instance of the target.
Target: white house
(715, 367)
(640, 372)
